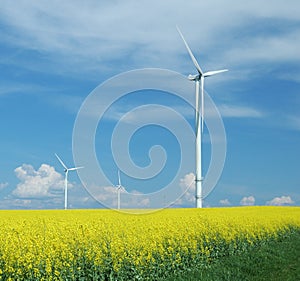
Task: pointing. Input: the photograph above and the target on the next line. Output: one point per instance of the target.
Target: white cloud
(134, 36)
(153, 112)
(22, 203)
(108, 196)
(247, 201)
(105, 193)
(144, 202)
(3, 185)
(268, 48)
(187, 184)
(239, 111)
(156, 113)
(225, 202)
(293, 122)
(279, 201)
(43, 182)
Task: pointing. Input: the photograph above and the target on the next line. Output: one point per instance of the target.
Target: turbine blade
(210, 73)
(119, 178)
(190, 52)
(75, 168)
(61, 162)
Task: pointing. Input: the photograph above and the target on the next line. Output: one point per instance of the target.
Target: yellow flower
(54, 241)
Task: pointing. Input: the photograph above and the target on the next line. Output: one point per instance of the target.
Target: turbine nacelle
(197, 77)
(192, 77)
(66, 170)
(120, 188)
(199, 117)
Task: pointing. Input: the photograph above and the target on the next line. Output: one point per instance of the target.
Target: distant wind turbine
(66, 170)
(119, 189)
(199, 79)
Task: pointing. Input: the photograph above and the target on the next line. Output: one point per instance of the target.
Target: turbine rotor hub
(196, 77)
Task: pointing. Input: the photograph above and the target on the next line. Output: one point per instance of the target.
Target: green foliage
(271, 260)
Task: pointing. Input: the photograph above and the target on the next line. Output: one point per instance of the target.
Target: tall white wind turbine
(119, 189)
(66, 170)
(199, 116)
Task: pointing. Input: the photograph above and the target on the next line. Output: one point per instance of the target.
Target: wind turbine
(119, 189)
(199, 116)
(66, 170)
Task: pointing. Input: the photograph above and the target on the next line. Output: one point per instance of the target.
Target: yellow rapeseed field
(105, 244)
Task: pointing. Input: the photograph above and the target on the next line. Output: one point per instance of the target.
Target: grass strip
(272, 261)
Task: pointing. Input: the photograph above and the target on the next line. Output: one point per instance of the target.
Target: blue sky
(53, 55)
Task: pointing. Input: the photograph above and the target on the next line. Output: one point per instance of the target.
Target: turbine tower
(199, 116)
(119, 189)
(66, 170)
